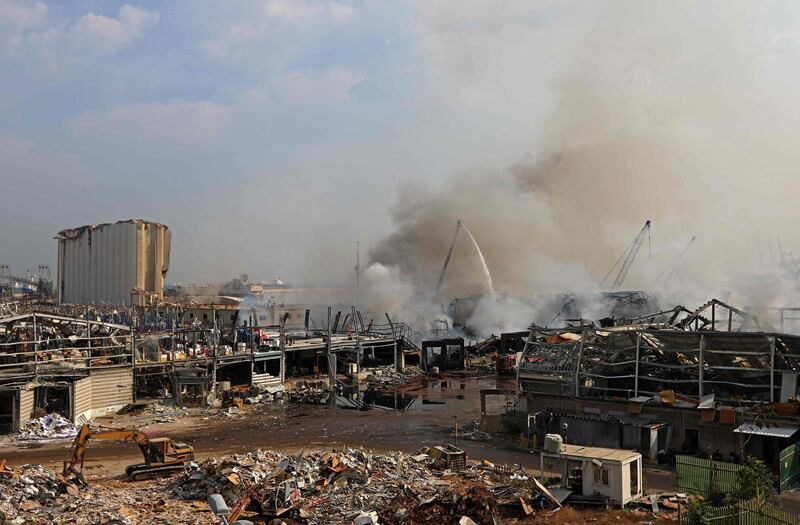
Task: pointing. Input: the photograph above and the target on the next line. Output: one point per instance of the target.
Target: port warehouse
(85, 368)
(661, 389)
(112, 339)
(675, 380)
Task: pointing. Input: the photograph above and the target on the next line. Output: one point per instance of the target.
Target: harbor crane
(446, 261)
(674, 266)
(627, 258)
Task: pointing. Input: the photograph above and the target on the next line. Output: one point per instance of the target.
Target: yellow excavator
(161, 454)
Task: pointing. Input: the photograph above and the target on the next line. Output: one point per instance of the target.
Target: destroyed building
(87, 365)
(55, 364)
(678, 381)
(187, 360)
(603, 307)
(121, 263)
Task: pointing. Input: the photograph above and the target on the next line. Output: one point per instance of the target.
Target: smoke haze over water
(682, 113)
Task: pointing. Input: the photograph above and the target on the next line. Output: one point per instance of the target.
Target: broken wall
(112, 388)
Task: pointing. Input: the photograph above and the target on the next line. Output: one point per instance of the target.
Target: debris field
(352, 486)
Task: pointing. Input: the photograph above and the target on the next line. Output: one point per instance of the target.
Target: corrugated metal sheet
(591, 432)
(25, 406)
(111, 387)
(631, 437)
(779, 431)
(265, 380)
(107, 262)
(82, 400)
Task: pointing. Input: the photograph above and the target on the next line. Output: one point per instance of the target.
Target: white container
(225, 385)
(553, 443)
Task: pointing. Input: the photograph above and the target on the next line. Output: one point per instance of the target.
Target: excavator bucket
(5, 470)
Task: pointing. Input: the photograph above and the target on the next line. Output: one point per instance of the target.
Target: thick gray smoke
(681, 114)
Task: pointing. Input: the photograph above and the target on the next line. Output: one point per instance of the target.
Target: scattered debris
(29, 488)
(37, 496)
(358, 486)
(50, 426)
(386, 376)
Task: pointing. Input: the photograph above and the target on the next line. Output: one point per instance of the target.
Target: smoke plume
(677, 113)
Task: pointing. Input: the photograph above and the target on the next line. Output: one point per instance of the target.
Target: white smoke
(673, 112)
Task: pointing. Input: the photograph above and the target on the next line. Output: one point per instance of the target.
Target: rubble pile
(233, 412)
(166, 414)
(267, 394)
(387, 376)
(27, 489)
(312, 392)
(37, 496)
(354, 486)
(50, 426)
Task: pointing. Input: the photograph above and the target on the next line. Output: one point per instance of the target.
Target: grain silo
(122, 263)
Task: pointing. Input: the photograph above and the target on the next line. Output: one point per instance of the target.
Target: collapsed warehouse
(112, 340)
(49, 363)
(85, 367)
(188, 359)
(676, 381)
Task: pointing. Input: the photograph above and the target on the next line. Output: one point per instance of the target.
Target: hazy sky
(268, 135)
(271, 135)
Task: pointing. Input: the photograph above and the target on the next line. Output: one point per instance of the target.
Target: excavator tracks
(142, 471)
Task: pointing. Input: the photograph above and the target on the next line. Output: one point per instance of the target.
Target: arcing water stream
(486, 271)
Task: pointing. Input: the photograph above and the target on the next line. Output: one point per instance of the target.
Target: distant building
(122, 263)
(240, 287)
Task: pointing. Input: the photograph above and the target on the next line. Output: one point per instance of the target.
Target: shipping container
(119, 264)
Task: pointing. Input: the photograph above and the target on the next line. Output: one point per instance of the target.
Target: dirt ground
(430, 421)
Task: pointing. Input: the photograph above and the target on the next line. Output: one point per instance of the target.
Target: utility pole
(398, 367)
(331, 361)
(283, 318)
(358, 341)
(214, 344)
(358, 274)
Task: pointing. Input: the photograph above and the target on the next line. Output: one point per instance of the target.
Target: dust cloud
(679, 113)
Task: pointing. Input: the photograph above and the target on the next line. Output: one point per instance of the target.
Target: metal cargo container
(117, 264)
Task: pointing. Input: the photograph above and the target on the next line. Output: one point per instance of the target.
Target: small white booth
(588, 471)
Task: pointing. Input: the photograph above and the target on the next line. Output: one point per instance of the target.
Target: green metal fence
(705, 476)
(747, 513)
(790, 466)
(751, 513)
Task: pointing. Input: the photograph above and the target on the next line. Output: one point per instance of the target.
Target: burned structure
(185, 361)
(89, 364)
(605, 308)
(677, 381)
(75, 367)
(443, 354)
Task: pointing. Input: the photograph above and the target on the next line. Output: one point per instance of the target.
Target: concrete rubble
(50, 426)
(347, 487)
(34, 495)
(358, 486)
(386, 376)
